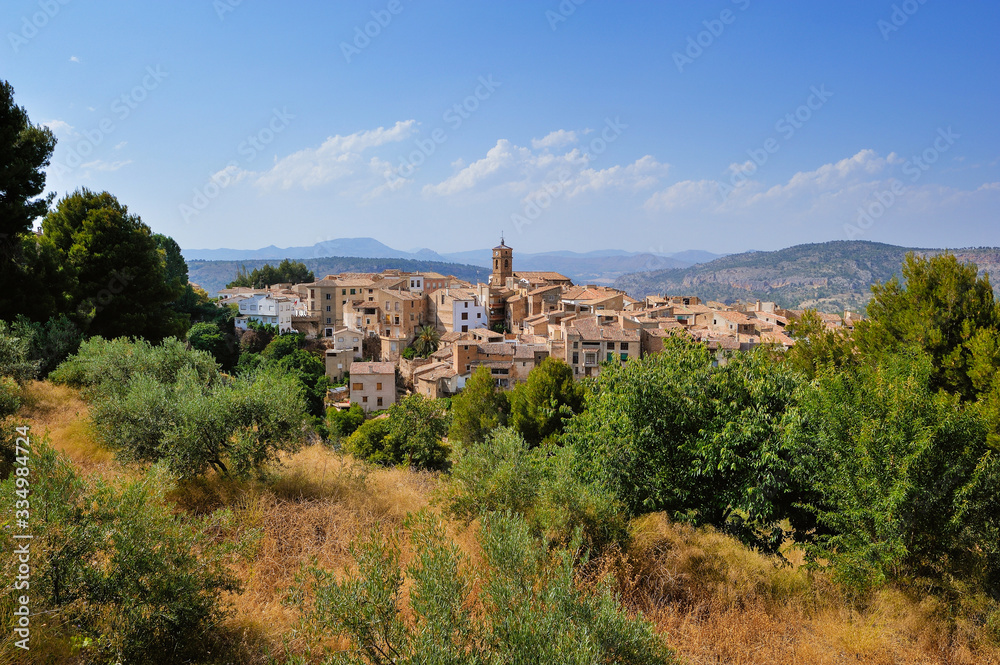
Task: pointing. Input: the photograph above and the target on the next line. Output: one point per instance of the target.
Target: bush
(234, 427)
(904, 480)
(526, 607)
(705, 443)
(15, 353)
(410, 434)
(112, 569)
(542, 484)
(345, 423)
(105, 367)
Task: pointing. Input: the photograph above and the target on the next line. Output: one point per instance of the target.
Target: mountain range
(597, 267)
(831, 276)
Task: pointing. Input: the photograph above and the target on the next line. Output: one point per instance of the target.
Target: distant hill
(597, 267)
(831, 276)
(214, 275)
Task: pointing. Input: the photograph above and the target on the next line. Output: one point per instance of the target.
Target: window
(357, 386)
(343, 292)
(611, 346)
(328, 321)
(312, 293)
(624, 346)
(576, 358)
(576, 345)
(465, 316)
(353, 292)
(329, 295)
(590, 358)
(465, 328)
(379, 402)
(378, 386)
(328, 308)
(624, 357)
(364, 398)
(340, 339)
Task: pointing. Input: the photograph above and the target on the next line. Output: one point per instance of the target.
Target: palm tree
(427, 341)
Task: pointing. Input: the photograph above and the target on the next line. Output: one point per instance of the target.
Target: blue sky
(723, 125)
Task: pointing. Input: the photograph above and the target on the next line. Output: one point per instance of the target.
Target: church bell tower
(503, 264)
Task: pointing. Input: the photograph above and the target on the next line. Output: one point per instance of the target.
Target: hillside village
(509, 324)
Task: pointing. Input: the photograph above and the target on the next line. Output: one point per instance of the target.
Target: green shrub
(542, 484)
(105, 367)
(528, 607)
(346, 422)
(410, 434)
(113, 569)
(904, 480)
(236, 426)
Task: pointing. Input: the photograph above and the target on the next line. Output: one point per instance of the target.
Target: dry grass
(718, 602)
(714, 600)
(311, 510)
(59, 413)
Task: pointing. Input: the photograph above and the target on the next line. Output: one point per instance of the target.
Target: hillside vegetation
(712, 598)
(214, 275)
(833, 503)
(831, 276)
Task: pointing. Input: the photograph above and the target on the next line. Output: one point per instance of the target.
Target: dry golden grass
(313, 508)
(714, 600)
(718, 602)
(59, 413)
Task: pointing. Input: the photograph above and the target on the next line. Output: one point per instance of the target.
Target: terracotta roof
(360, 368)
(589, 329)
(455, 335)
(541, 275)
(545, 289)
(527, 350)
(497, 349)
(495, 364)
(735, 317)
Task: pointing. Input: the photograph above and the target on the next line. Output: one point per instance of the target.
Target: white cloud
(503, 155)
(60, 127)
(121, 145)
(511, 169)
(556, 139)
(101, 165)
(686, 194)
(73, 58)
(336, 158)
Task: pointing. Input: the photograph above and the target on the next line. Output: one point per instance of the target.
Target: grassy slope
(831, 276)
(714, 600)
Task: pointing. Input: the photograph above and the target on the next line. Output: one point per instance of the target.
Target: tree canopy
(109, 272)
(939, 306)
(25, 151)
(294, 272)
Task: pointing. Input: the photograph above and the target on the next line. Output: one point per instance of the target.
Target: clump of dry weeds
(718, 602)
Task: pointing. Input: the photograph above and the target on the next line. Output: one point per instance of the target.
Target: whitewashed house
(266, 309)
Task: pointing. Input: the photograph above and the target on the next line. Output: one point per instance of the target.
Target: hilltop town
(369, 322)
